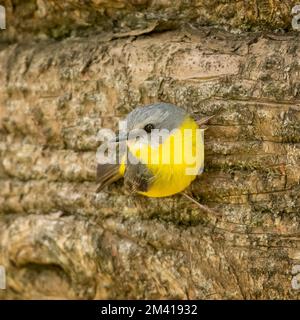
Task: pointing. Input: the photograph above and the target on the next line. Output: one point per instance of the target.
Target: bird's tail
(107, 174)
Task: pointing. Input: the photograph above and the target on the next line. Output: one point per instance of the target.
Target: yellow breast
(174, 163)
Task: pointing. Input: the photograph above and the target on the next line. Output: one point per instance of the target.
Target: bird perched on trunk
(160, 153)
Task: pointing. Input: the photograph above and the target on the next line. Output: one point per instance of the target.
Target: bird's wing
(137, 177)
(108, 173)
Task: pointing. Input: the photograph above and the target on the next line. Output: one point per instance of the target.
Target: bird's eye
(148, 127)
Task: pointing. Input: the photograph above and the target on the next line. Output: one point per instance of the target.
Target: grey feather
(162, 115)
(137, 178)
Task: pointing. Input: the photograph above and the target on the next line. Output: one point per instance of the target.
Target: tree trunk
(59, 239)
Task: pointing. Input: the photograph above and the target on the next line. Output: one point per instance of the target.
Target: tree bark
(59, 19)
(58, 239)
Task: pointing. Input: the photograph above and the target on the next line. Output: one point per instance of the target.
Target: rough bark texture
(58, 19)
(59, 239)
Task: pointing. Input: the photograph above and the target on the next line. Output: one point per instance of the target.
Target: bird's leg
(202, 207)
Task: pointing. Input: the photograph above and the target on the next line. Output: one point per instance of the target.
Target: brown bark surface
(59, 19)
(58, 239)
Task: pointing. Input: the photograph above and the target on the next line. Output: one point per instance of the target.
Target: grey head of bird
(155, 116)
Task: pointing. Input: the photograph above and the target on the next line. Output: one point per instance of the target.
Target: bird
(161, 168)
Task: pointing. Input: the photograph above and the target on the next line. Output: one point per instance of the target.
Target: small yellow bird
(163, 166)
